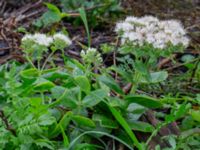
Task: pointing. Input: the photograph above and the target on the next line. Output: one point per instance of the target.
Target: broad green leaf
(36, 101)
(44, 143)
(58, 91)
(182, 110)
(94, 98)
(42, 84)
(105, 121)
(83, 83)
(135, 111)
(53, 7)
(195, 114)
(83, 121)
(141, 126)
(146, 101)
(52, 75)
(187, 58)
(111, 83)
(174, 115)
(29, 73)
(46, 119)
(141, 67)
(61, 125)
(53, 15)
(156, 77)
(116, 102)
(126, 127)
(123, 73)
(64, 96)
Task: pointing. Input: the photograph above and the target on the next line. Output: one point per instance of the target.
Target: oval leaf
(143, 100)
(83, 83)
(83, 121)
(111, 83)
(94, 98)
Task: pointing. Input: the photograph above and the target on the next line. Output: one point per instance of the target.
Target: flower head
(62, 37)
(38, 38)
(42, 39)
(151, 30)
(91, 55)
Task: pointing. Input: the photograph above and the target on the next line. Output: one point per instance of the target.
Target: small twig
(127, 88)
(165, 61)
(5, 121)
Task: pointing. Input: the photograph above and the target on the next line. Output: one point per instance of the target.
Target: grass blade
(85, 22)
(126, 127)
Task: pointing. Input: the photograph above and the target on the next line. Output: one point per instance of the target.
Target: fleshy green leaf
(156, 77)
(146, 101)
(46, 119)
(61, 125)
(141, 126)
(195, 115)
(83, 83)
(105, 121)
(94, 98)
(83, 121)
(42, 84)
(29, 73)
(111, 83)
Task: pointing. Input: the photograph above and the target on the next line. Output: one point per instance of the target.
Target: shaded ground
(13, 15)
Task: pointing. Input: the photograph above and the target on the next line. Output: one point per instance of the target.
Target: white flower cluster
(91, 56)
(43, 39)
(62, 37)
(151, 30)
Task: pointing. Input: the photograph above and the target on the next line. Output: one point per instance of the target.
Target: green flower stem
(50, 55)
(63, 56)
(29, 60)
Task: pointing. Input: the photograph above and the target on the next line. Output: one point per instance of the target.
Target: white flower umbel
(42, 39)
(38, 38)
(27, 37)
(62, 37)
(124, 26)
(151, 30)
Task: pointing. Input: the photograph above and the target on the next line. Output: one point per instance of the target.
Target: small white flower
(150, 38)
(91, 50)
(42, 39)
(133, 36)
(131, 19)
(123, 26)
(186, 41)
(149, 19)
(82, 53)
(159, 45)
(62, 37)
